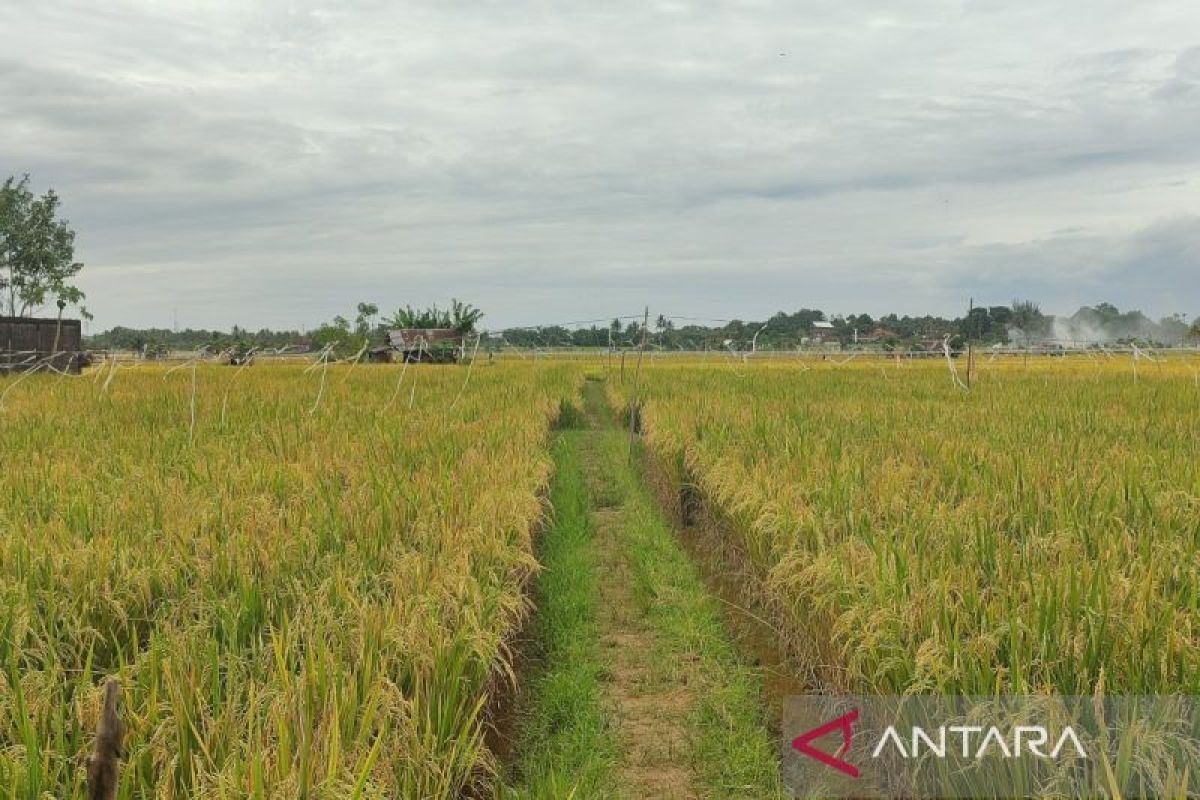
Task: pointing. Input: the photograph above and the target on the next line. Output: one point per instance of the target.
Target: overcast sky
(273, 163)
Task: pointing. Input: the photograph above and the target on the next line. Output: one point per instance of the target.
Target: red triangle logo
(845, 724)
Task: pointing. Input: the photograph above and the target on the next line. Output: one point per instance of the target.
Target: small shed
(431, 345)
(28, 341)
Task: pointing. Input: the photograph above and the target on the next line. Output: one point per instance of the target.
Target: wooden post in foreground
(970, 322)
(110, 735)
(635, 408)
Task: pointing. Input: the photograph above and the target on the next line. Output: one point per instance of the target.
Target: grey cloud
(751, 155)
(1156, 268)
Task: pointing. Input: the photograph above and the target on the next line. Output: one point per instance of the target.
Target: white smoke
(1089, 326)
(1101, 325)
(1068, 329)
(1019, 337)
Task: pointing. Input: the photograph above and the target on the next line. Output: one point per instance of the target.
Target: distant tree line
(345, 336)
(1019, 323)
(163, 339)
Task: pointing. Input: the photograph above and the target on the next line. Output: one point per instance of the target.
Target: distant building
(822, 332)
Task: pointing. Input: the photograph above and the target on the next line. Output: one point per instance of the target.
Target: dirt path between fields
(651, 707)
(651, 697)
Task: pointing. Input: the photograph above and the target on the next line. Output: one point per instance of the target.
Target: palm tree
(462, 317)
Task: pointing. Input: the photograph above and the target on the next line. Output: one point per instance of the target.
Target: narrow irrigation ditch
(729, 576)
(637, 689)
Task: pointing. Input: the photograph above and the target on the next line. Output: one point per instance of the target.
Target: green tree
(462, 317)
(1001, 315)
(977, 324)
(338, 334)
(362, 323)
(349, 339)
(37, 252)
(1028, 320)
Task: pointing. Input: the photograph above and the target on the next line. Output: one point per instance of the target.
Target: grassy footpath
(731, 752)
(566, 745)
(635, 655)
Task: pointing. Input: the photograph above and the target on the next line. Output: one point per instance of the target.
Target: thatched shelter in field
(379, 355)
(429, 345)
(28, 341)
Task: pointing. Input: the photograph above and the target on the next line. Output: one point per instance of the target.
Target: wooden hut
(379, 355)
(26, 342)
(429, 345)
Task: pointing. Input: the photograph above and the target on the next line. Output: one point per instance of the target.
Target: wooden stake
(635, 408)
(970, 308)
(110, 735)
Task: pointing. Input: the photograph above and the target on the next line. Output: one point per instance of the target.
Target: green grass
(732, 753)
(731, 750)
(567, 746)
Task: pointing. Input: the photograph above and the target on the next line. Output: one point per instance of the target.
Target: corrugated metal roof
(411, 337)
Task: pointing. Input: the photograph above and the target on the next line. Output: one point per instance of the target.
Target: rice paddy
(1039, 533)
(300, 599)
(308, 581)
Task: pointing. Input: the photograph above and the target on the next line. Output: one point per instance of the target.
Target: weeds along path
(642, 694)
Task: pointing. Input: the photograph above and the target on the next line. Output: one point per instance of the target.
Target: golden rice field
(1038, 533)
(306, 580)
(301, 598)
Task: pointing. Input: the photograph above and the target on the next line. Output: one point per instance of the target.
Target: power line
(562, 324)
(695, 319)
